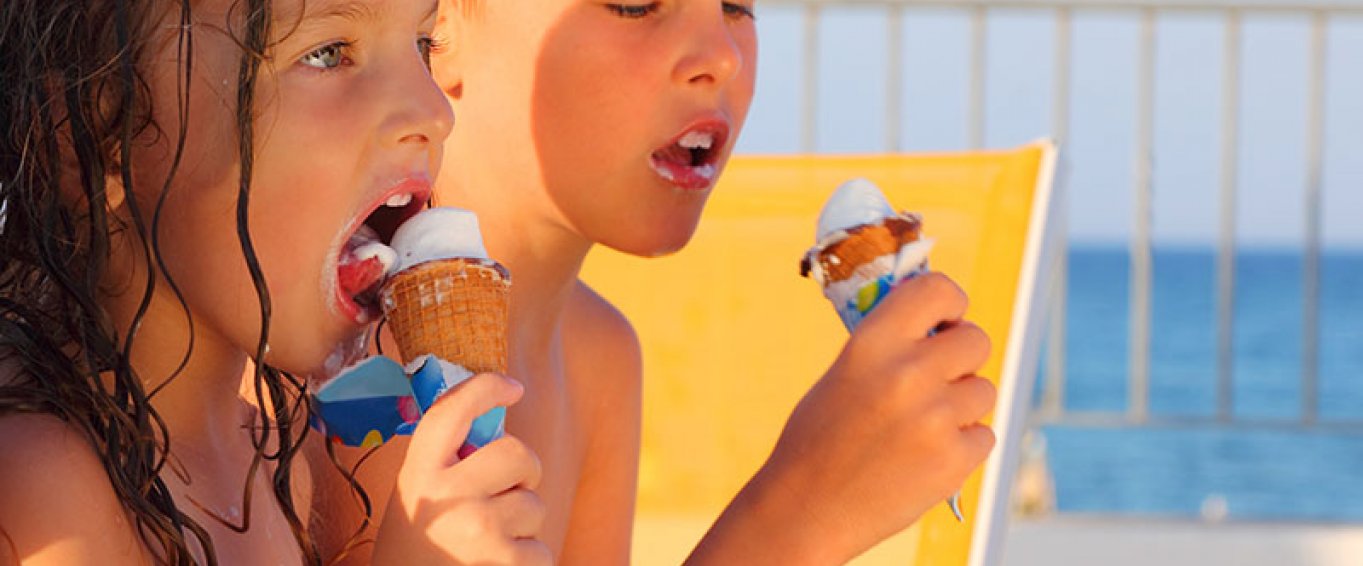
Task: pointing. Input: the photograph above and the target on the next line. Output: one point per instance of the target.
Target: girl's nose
(419, 113)
(711, 57)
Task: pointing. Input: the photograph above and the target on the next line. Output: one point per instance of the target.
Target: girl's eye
(735, 10)
(326, 57)
(633, 11)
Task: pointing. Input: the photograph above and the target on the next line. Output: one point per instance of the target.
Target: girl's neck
(202, 401)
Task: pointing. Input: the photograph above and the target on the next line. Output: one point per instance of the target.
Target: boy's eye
(633, 11)
(429, 45)
(735, 10)
(329, 56)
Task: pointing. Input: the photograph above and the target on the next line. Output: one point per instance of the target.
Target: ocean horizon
(1257, 473)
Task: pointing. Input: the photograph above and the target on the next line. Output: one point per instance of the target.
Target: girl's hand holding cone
(482, 510)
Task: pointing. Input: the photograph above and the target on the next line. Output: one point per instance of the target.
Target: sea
(1235, 472)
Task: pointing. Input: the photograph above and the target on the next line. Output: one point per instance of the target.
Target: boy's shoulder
(595, 324)
(598, 334)
(54, 487)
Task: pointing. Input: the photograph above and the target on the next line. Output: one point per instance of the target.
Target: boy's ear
(446, 65)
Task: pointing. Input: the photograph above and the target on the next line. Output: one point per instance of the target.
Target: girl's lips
(690, 160)
(364, 260)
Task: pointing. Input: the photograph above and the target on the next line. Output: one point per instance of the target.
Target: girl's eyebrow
(354, 10)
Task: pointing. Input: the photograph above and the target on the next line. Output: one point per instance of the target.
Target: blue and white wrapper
(371, 401)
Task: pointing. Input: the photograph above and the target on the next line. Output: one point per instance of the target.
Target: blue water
(1260, 473)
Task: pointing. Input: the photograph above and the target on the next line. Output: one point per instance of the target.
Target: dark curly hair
(72, 99)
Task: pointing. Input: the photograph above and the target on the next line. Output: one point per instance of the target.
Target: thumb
(436, 441)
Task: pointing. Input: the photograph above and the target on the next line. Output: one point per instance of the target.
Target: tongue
(358, 275)
(364, 262)
(674, 154)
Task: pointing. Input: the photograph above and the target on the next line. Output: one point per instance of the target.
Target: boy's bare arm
(605, 368)
(889, 431)
(56, 503)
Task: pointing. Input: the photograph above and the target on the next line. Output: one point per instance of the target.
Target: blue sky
(1274, 92)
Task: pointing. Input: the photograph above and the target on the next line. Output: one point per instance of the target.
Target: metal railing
(1051, 407)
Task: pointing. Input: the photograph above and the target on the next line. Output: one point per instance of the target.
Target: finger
(522, 512)
(978, 441)
(442, 430)
(504, 464)
(917, 306)
(961, 349)
(971, 398)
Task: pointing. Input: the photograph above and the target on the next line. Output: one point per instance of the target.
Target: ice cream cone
(864, 248)
(862, 245)
(455, 309)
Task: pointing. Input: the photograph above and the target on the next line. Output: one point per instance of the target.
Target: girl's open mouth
(691, 161)
(366, 256)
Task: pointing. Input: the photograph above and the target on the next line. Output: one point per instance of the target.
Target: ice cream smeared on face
(691, 161)
(864, 249)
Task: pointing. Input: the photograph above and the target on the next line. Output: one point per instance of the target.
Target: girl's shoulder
(56, 502)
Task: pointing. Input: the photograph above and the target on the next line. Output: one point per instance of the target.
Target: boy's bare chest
(550, 423)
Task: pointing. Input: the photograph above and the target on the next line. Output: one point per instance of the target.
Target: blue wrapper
(374, 400)
(868, 296)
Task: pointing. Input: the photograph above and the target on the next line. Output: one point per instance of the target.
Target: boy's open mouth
(691, 160)
(366, 257)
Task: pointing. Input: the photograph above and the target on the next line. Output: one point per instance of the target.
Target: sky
(1101, 147)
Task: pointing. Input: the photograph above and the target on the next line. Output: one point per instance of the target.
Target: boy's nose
(712, 56)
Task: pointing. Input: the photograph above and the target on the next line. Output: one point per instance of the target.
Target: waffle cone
(455, 309)
(863, 244)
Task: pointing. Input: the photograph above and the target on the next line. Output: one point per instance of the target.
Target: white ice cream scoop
(438, 233)
(855, 203)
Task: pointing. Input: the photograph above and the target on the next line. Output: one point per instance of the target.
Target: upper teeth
(401, 200)
(697, 140)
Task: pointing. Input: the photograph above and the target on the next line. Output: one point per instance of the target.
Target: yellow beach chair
(733, 336)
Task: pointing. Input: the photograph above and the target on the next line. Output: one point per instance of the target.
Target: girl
(590, 122)
(177, 183)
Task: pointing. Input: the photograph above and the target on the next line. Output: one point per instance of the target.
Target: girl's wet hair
(72, 100)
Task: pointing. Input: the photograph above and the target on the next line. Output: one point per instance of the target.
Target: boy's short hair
(467, 7)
